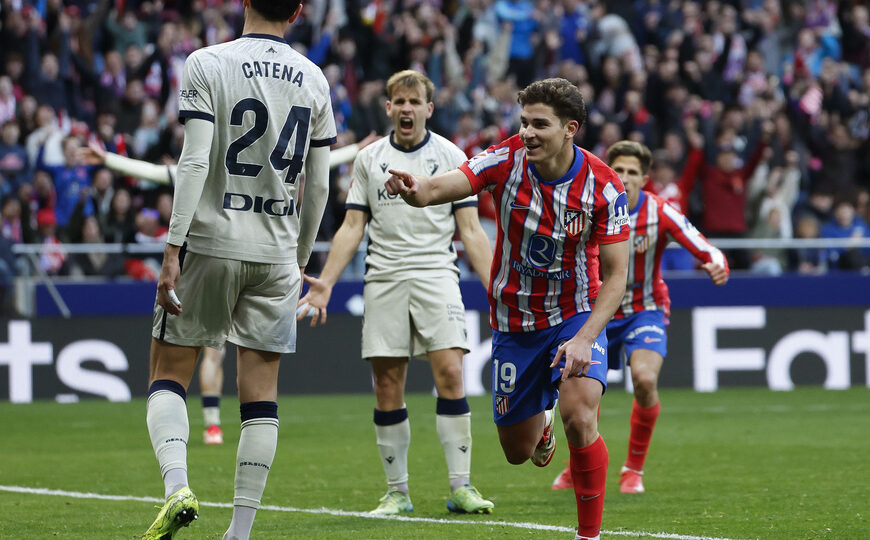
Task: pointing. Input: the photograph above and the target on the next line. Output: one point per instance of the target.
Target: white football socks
(211, 416)
(257, 443)
(393, 443)
(169, 430)
(454, 432)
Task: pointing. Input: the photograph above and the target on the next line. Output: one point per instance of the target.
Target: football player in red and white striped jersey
(637, 332)
(557, 277)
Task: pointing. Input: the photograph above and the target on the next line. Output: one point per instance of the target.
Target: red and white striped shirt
(545, 267)
(652, 221)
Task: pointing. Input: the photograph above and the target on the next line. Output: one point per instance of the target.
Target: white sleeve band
(315, 193)
(343, 155)
(192, 173)
(137, 168)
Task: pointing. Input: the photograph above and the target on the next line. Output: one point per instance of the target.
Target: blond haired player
(412, 300)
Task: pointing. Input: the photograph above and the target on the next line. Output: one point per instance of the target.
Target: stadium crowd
(757, 110)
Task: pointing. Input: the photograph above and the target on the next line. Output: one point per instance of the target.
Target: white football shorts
(250, 304)
(412, 317)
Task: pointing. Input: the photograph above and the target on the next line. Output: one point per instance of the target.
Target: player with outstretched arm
(637, 332)
(557, 277)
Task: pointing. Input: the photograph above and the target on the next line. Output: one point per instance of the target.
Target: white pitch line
(333, 512)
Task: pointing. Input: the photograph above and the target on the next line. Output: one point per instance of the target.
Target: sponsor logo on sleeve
(189, 96)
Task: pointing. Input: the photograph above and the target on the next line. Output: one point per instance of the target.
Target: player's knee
(516, 456)
(449, 378)
(645, 381)
(579, 424)
(388, 388)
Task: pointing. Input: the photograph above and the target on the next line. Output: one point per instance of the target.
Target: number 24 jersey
(269, 105)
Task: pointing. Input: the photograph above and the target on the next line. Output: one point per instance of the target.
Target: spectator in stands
(368, 112)
(14, 165)
(771, 225)
(520, 14)
(10, 219)
(121, 222)
(40, 195)
(101, 193)
(71, 182)
(53, 260)
(808, 260)
(164, 208)
(96, 263)
(804, 65)
(50, 82)
(846, 224)
(130, 107)
(148, 132)
(8, 103)
(724, 192)
(125, 29)
(45, 138)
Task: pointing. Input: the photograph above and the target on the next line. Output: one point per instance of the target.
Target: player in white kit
(257, 114)
(211, 371)
(412, 300)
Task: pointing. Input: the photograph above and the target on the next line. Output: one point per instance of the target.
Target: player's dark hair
(410, 79)
(275, 10)
(630, 149)
(560, 94)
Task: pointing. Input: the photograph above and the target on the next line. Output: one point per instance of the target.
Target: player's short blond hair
(410, 79)
(630, 149)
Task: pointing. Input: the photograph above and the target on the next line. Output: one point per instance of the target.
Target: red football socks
(589, 472)
(643, 420)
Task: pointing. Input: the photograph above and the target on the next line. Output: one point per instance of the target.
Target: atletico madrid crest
(641, 243)
(574, 221)
(501, 404)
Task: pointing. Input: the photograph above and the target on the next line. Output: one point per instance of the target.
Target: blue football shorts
(522, 382)
(643, 330)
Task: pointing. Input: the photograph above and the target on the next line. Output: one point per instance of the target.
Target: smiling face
(543, 133)
(409, 109)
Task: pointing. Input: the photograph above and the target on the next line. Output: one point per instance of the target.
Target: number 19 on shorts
(504, 376)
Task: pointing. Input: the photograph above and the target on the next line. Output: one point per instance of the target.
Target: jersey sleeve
(357, 194)
(471, 200)
(681, 229)
(611, 220)
(323, 131)
(194, 96)
(483, 169)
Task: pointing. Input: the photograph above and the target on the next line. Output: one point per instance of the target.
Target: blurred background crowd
(756, 110)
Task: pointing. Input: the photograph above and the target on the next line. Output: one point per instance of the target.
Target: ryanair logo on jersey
(574, 221)
(485, 160)
(241, 202)
(431, 166)
(641, 243)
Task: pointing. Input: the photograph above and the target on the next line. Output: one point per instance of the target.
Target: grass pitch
(745, 463)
